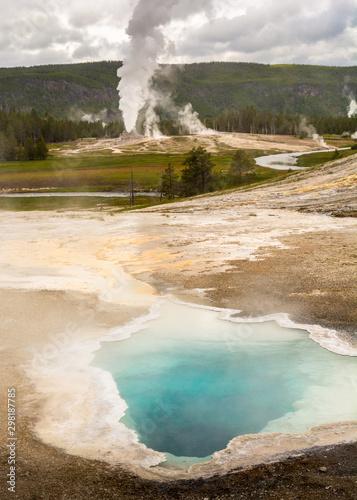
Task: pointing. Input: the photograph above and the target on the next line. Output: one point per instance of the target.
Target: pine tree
(169, 183)
(21, 154)
(29, 149)
(240, 165)
(197, 172)
(41, 150)
(10, 148)
(2, 147)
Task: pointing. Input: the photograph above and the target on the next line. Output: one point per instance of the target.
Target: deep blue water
(192, 382)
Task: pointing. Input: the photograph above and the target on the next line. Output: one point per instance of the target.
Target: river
(285, 161)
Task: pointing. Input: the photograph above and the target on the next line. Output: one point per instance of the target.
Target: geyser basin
(192, 381)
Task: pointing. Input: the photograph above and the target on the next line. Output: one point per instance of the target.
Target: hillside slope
(287, 246)
(218, 86)
(62, 89)
(210, 87)
(329, 189)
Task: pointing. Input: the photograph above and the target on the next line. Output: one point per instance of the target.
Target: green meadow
(95, 172)
(312, 159)
(72, 203)
(104, 171)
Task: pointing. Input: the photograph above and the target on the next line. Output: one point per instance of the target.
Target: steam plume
(100, 117)
(147, 44)
(151, 118)
(352, 109)
(189, 119)
(104, 116)
(311, 132)
(185, 119)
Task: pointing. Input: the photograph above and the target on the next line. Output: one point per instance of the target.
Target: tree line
(249, 120)
(23, 134)
(198, 175)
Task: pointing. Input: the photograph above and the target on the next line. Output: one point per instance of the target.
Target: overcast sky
(36, 32)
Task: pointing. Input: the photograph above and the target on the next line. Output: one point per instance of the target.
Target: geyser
(352, 109)
(192, 381)
(311, 132)
(147, 44)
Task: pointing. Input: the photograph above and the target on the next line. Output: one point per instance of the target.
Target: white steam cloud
(185, 119)
(352, 109)
(99, 117)
(104, 116)
(189, 120)
(147, 45)
(151, 126)
(311, 132)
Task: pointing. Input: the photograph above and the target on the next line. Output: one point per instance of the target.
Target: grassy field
(69, 169)
(312, 159)
(72, 203)
(95, 172)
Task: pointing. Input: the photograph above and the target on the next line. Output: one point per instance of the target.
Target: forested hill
(68, 89)
(62, 90)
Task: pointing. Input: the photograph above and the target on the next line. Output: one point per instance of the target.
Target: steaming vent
(148, 44)
(130, 136)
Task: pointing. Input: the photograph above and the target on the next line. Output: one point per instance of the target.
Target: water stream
(285, 161)
(101, 194)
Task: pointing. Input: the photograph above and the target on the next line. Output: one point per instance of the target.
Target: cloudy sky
(268, 31)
